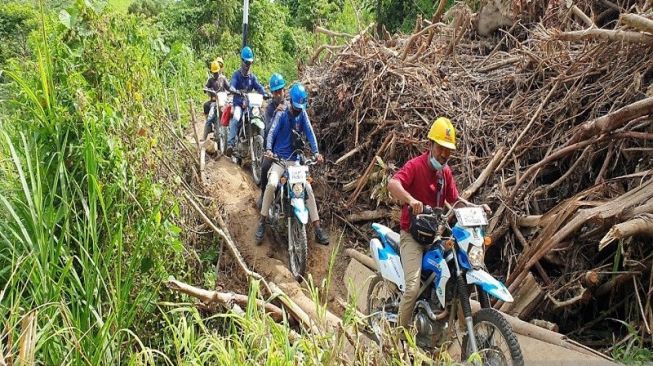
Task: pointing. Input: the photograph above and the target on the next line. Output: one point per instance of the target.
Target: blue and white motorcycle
(452, 267)
(288, 215)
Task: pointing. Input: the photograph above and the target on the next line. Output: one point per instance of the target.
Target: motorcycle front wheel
(382, 306)
(496, 341)
(256, 152)
(222, 138)
(297, 247)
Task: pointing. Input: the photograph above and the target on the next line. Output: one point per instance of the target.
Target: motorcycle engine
(430, 333)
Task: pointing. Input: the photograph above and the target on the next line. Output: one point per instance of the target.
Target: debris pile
(554, 115)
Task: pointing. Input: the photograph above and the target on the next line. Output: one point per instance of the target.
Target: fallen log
(614, 120)
(362, 258)
(638, 22)
(368, 215)
(212, 298)
(605, 34)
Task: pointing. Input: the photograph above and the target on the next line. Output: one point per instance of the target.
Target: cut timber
(368, 215)
(362, 258)
(527, 297)
(211, 298)
(639, 225)
(639, 22)
(605, 34)
(332, 33)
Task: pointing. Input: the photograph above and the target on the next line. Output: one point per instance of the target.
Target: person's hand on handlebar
(320, 158)
(268, 154)
(416, 206)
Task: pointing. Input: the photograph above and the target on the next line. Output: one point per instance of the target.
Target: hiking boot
(321, 236)
(229, 151)
(260, 231)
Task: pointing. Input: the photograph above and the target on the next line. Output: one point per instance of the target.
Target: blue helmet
(298, 96)
(276, 82)
(247, 54)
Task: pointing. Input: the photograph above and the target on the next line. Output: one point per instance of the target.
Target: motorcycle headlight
(297, 190)
(476, 256)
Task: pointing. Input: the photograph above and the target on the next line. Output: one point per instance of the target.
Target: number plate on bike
(222, 99)
(297, 174)
(471, 216)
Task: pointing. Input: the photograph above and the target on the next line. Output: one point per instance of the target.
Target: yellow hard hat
(220, 61)
(443, 133)
(215, 66)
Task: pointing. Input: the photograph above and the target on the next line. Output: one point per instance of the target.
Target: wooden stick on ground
(640, 225)
(210, 298)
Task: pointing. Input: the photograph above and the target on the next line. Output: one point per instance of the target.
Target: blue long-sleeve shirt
(280, 137)
(244, 83)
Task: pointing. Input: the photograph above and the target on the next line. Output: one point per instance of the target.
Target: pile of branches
(554, 115)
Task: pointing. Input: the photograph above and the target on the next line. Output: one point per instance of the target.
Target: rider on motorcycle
(426, 179)
(217, 83)
(277, 104)
(242, 81)
(280, 143)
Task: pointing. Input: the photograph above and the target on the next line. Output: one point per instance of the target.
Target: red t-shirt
(422, 182)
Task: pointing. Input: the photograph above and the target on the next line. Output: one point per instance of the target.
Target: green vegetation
(90, 222)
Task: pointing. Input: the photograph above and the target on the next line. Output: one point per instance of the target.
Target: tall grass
(85, 231)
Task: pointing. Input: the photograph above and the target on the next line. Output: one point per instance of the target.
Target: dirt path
(236, 194)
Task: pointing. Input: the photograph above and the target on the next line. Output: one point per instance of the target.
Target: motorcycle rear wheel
(497, 343)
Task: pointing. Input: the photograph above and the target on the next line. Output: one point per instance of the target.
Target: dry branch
(605, 34)
(639, 225)
(212, 298)
(638, 22)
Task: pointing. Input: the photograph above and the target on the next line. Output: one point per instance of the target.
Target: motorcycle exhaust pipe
(441, 316)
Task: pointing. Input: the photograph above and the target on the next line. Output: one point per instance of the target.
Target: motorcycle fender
(299, 208)
(258, 123)
(441, 286)
(489, 284)
(388, 262)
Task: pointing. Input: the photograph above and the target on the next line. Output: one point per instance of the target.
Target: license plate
(297, 174)
(471, 216)
(222, 99)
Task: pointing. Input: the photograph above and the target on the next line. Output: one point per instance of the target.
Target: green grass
(120, 5)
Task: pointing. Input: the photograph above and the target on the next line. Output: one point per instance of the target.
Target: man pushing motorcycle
(280, 143)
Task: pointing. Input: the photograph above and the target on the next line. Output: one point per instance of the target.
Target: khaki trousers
(411, 253)
(275, 172)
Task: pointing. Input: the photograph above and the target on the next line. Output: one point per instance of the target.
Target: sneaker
(260, 231)
(321, 236)
(229, 151)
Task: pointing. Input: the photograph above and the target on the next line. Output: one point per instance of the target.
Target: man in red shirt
(426, 179)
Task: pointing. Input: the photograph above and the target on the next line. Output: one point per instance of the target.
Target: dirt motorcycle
(452, 267)
(219, 109)
(250, 141)
(288, 215)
